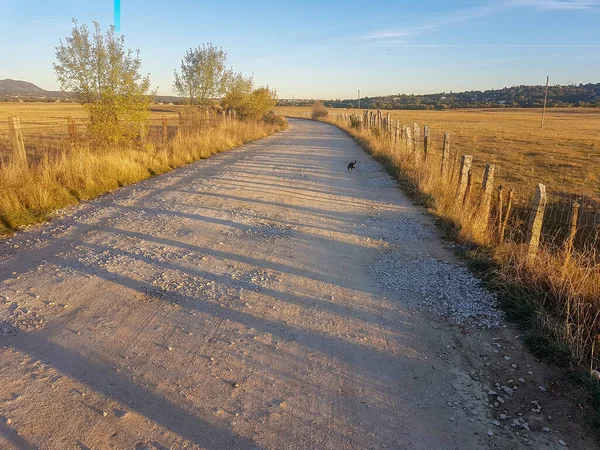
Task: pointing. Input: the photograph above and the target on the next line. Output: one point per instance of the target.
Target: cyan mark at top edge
(118, 16)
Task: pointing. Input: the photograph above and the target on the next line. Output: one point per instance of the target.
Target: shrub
(258, 103)
(319, 111)
(355, 121)
(274, 119)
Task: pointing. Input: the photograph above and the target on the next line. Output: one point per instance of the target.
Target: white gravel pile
(15, 319)
(178, 287)
(446, 290)
(269, 231)
(260, 278)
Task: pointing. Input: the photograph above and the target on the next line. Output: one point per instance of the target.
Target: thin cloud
(491, 9)
(441, 20)
(557, 5)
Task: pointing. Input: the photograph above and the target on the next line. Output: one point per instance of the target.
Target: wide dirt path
(263, 298)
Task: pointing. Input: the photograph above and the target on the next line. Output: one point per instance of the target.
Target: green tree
(259, 103)
(203, 75)
(105, 78)
(239, 87)
(249, 103)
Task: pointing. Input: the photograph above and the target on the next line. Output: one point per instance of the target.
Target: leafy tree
(249, 103)
(203, 75)
(106, 80)
(258, 103)
(239, 87)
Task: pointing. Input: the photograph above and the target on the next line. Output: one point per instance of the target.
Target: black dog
(351, 166)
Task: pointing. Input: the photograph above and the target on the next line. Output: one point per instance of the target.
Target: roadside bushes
(248, 102)
(318, 111)
(355, 121)
(274, 119)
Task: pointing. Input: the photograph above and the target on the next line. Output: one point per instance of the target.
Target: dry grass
(562, 294)
(32, 193)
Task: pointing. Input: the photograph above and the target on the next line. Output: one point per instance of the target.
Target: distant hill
(11, 90)
(16, 87)
(582, 95)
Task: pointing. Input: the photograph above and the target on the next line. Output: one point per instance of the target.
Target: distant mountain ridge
(17, 87)
(581, 95)
(11, 90)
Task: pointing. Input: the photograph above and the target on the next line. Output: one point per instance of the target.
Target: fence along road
(263, 298)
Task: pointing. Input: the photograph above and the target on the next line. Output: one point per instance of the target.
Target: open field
(45, 124)
(564, 155)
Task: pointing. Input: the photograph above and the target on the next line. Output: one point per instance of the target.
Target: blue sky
(329, 49)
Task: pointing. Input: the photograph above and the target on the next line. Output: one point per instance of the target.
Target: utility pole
(545, 100)
(359, 99)
(292, 101)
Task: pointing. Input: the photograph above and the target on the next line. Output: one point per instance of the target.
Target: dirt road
(263, 298)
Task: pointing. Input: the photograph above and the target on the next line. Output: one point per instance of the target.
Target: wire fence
(31, 140)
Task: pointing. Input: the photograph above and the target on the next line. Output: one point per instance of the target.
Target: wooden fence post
(416, 136)
(16, 134)
(445, 155)
(454, 164)
(536, 217)
(506, 215)
(72, 126)
(467, 197)
(573, 216)
(500, 208)
(486, 199)
(463, 177)
(426, 137)
(165, 129)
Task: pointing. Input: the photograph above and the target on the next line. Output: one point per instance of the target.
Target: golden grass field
(45, 124)
(564, 155)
